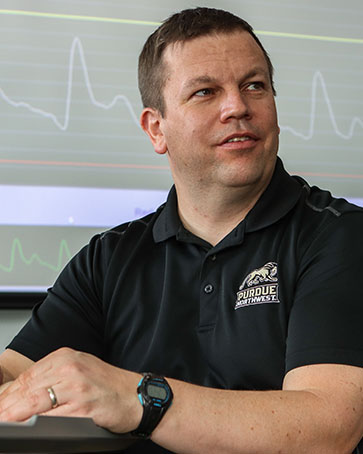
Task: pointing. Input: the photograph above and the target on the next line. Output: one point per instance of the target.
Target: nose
(234, 105)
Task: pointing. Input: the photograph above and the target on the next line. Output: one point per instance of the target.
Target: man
(242, 289)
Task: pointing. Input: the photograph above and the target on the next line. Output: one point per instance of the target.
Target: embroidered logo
(259, 287)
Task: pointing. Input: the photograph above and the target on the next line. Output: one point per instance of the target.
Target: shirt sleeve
(71, 314)
(326, 320)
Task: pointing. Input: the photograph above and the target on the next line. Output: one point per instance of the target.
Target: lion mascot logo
(267, 273)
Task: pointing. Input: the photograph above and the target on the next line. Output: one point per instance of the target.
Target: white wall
(10, 323)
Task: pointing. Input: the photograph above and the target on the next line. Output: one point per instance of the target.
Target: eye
(203, 92)
(255, 86)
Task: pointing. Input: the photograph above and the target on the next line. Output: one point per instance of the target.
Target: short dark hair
(180, 27)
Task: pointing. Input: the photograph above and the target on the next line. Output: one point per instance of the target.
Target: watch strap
(150, 419)
(152, 413)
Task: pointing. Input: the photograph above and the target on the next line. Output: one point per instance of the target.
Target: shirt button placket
(208, 289)
(209, 292)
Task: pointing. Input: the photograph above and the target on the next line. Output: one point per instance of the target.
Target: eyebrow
(199, 80)
(256, 72)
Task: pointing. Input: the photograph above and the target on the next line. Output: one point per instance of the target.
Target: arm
(319, 410)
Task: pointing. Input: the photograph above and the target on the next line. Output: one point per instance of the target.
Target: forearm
(208, 420)
(319, 410)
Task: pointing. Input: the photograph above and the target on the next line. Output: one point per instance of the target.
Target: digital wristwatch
(156, 396)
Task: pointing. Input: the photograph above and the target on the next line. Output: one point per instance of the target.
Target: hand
(4, 386)
(83, 385)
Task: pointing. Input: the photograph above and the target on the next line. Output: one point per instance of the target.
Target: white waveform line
(318, 77)
(76, 44)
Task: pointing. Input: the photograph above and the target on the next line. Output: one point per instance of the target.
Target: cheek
(271, 126)
(273, 119)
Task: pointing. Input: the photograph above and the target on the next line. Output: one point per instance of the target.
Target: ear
(150, 121)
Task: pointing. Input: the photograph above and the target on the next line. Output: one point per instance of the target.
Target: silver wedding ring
(53, 397)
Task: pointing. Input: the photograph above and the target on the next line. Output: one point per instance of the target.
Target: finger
(24, 380)
(7, 397)
(20, 406)
(41, 374)
(25, 393)
(47, 365)
(6, 390)
(29, 394)
(24, 386)
(67, 409)
(59, 399)
(52, 397)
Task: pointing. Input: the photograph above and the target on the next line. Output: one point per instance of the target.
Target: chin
(255, 181)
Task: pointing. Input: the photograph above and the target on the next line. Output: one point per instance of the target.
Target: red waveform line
(32, 162)
(150, 167)
(332, 175)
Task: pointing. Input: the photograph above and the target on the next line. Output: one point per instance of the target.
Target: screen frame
(20, 300)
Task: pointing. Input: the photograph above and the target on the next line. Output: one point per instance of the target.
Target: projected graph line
(356, 121)
(63, 256)
(77, 17)
(34, 162)
(76, 45)
(318, 79)
(118, 20)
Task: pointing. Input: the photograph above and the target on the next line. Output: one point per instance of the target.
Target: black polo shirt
(282, 290)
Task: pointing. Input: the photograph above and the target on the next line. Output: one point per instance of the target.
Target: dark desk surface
(59, 435)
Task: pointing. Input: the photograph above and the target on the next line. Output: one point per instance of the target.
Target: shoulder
(119, 242)
(106, 254)
(320, 213)
(322, 201)
(130, 230)
(127, 234)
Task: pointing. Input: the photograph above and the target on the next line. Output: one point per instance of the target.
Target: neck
(213, 216)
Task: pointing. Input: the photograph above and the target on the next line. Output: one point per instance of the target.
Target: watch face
(156, 392)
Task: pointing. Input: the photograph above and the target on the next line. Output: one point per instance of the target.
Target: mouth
(240, 138)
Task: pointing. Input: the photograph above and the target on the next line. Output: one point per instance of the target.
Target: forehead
(213, 54)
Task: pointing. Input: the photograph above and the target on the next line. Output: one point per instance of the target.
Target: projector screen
(73, 158)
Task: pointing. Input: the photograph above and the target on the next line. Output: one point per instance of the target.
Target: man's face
(220, 123)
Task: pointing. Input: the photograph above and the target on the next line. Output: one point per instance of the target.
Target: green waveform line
(63, 256)
(334, 39)
(116, 20)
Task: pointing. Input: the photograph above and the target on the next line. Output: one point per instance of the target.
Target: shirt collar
(168, 222)
(279, 198)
